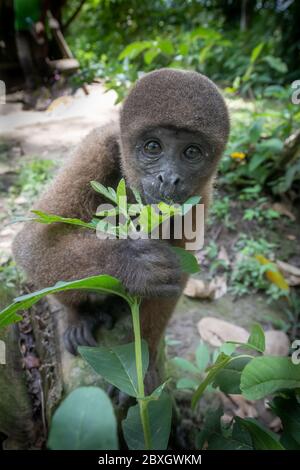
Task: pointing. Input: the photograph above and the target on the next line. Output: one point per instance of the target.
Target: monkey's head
(174, 128)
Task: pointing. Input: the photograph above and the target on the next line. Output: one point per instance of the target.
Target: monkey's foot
(80, 334)
(152, 380)
(121, 399)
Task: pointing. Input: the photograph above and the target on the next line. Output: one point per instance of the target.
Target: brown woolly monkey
(172, 131)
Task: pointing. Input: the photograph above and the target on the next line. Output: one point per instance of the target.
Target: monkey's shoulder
(102, 143)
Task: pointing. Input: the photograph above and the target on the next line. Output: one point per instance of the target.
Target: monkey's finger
(70, 341)
(83, 335)
(86, 337)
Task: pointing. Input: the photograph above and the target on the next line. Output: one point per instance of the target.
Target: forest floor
(34, 144)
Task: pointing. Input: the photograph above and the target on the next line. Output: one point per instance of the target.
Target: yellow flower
(238, 155)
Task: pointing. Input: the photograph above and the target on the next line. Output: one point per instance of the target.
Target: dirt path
(56, 132)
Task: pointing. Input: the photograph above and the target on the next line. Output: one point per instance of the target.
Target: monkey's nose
(170, 181)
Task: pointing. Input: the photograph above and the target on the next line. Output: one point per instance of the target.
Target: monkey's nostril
(160, 178)
(176, 181)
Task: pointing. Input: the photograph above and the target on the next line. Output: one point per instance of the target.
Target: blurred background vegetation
(251, 48)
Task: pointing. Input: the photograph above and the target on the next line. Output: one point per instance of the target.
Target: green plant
(255, 377)
(221, 211)
(258, 153)
(194, 371)
(123, 366)
(253, 271)
(211, 253)
(32, 176)
(261, 212)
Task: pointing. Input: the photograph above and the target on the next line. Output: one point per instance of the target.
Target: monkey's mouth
(156, 199)
(151, 199)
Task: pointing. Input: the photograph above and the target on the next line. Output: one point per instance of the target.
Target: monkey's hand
(149, 268)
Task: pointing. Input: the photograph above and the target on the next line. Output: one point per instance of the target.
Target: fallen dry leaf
(223, 255)
(196, 288)
(291, 273)
(283, 210)
(215, 332)
(239, 405)
(277, 343)
(274, 276)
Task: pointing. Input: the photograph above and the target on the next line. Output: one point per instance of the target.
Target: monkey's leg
(155, 314)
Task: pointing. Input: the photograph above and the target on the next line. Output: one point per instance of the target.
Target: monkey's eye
(193, 152)
(152, 147)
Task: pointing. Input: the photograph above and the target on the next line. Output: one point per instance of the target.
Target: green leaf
(108, 194)
(256, 52)
(205, 33)
(160, 414)
(8, 317)
(44, 218)
(150, 55)
(189, 203)
(166, 46)
(227, 348)
(183, 49)
(117, 365)
(270, 146)
(101, 284)
(228, 379)
(288, 410)
(107, 213)
(188, 262)
(187, 383)
(262, 438)
(276, 63)
(211, 425)
(134, 49)
(148, 219)
(137, 196)
(202, 357)
(221, 361)
(257, 338)
(256, 130)
(266, 375)
(239, 439)
(85, 420)
(155, 395)
(122, 199)
(185, 365)
(256, 160)
(205, 52)
(121, 189)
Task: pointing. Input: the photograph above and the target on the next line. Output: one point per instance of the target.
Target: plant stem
(135, 311)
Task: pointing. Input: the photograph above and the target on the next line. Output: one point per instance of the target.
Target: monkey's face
(171, 164)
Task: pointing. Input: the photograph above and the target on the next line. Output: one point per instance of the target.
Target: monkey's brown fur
(49, 253)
